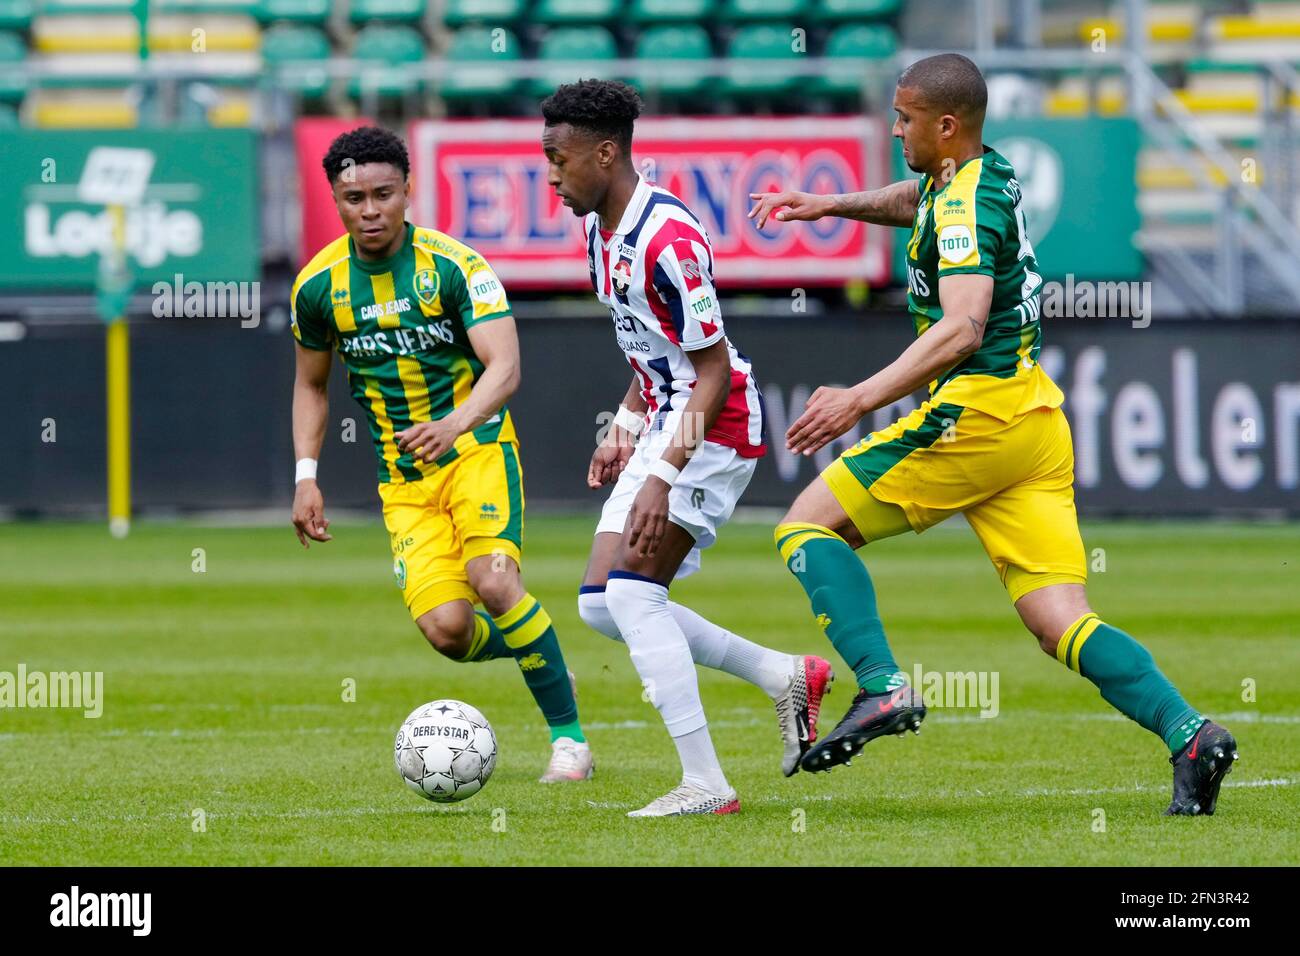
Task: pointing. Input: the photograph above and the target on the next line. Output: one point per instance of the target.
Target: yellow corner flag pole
(118, 358)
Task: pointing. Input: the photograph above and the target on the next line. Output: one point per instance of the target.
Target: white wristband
(306, 469)
(629, 421)
(665, 471)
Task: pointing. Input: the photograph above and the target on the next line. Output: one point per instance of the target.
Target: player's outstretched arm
(892, 205)
(310, 415)
(616, 445)
(833, 411)
(496, 343)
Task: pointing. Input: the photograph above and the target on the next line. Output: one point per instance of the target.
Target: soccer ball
(445, 751)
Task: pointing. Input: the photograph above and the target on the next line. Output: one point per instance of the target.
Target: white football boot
(570, 760)
(798, 708)
(685, 799)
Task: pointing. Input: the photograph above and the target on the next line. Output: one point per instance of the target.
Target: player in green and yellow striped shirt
(425, 331)
(991, 442)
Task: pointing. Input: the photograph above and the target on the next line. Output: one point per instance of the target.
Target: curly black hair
(606, 108)
(366, 144)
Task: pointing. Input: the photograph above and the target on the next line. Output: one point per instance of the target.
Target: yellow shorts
(1013, 480)
(472, 506)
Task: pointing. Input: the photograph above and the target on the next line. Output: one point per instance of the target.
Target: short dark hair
(366, 144)
(606, 108)
(950, 83)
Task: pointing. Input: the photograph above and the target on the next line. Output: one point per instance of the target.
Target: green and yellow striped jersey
(400, 325)
(975, 224)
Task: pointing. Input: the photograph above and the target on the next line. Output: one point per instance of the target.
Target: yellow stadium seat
(98, 108)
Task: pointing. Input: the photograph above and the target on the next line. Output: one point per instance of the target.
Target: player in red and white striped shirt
(681, 450)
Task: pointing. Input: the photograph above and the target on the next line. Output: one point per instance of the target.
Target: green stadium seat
(670, 11)
(389, 11)
(839, 11)
(296, 11)
(13, 82)
(306, 47)
(247, 7)
(755, 53)
(575, 11)
(665, 53)
(386, 48)
(476, 75)
(853, 47)
(16, 14)
(8, 116)
(749, 10)
(583, 47)
(459, 13)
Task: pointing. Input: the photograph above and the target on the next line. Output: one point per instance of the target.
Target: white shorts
(700, 502)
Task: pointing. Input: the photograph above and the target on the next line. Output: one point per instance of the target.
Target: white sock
(658, 650)
(700, 765)
(711, 645)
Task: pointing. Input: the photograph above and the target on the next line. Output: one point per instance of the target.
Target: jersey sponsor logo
(340, 298)
(426, 285)
(399, 572)
(391, 307)
(691, 269)
(955, 243)
(702, 304)
(484, 287)
(621, 276)
(420, 338)
(489, 512)
(917, 283)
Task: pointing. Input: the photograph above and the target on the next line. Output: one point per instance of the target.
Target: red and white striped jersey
(655, 272)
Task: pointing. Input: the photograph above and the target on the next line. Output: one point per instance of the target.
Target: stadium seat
(458, 13)
(16, 14)
(13, 82)
(839, 11)
(853, 47)
(755, 53)
(390, 11)
(297, 11)
(575, 11)
(102, 107)
(665, 53)
(670, 11)
(246, 7)
(384, 48)
(57, 32)
(8, 116)
(307, 48)
(738, 11)
(581, 48)
(1072, 96)
(475, 65)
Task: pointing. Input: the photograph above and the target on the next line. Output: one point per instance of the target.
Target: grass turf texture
(223, 692)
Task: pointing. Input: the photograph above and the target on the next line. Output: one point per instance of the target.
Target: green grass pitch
(223, 693)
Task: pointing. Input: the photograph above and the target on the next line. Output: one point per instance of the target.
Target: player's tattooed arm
(892, 205)
(310, 416)
(496, 344)
(833, 411)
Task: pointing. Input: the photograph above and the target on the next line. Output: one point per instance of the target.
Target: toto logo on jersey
(621, 276)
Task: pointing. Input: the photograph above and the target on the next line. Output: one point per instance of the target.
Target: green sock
(531, 638)
(488, 643)
(844, 600)
(1126, 674)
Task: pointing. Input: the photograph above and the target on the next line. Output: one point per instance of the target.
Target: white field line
(936, 717)
(313, 813)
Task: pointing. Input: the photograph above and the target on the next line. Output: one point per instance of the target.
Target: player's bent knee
(448, 628)
(595, 614)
